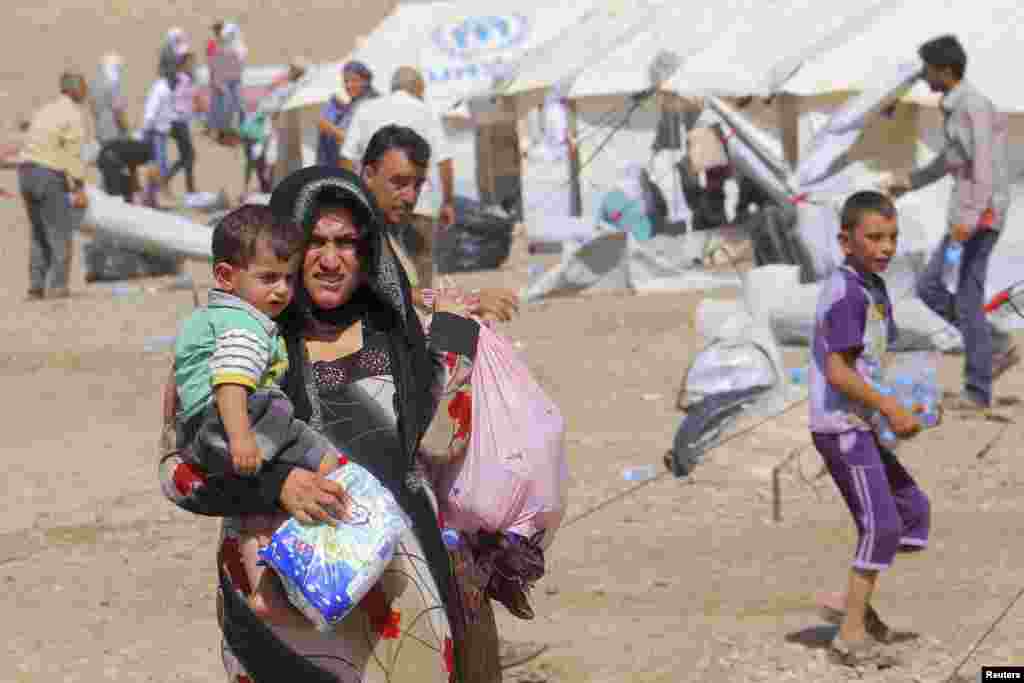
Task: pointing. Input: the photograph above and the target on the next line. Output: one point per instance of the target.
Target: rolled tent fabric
(142, 227)
(757, 141)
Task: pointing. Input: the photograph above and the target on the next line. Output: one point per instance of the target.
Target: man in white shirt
(159, 114)
(405, 107)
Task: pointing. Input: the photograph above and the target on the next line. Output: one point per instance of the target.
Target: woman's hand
(449, 301)
(311, 498)
(500, 304)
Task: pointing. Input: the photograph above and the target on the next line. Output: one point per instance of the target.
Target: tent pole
(575, 193)
(789, 117)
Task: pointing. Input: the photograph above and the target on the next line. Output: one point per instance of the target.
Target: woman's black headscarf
(385, 298)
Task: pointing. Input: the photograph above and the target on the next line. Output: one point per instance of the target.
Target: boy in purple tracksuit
(853, 327)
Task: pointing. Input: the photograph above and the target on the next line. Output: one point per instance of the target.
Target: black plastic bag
(108, 260)
(480, 239)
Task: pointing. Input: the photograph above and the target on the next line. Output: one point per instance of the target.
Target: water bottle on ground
(640, 473)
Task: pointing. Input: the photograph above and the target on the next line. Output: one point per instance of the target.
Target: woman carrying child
(363, 373)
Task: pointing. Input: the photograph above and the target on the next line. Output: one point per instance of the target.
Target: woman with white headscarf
(168, 66)
(546, 187)
(108, 108)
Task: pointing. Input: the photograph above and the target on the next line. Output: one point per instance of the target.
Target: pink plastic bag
(515, 474)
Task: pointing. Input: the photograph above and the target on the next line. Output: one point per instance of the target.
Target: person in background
(120, 162)
(213, 44)
(186, 100)
(157, 118)
(226, 67)
(107, 102)
(394, 169)
(51, 177)
(169, 53)
(336, 115)
(976, 154)
(215, 114)
(405, 107)
(261, 147)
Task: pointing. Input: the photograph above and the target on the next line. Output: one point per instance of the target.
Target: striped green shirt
(228, 341)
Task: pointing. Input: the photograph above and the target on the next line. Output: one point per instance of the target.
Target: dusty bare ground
(681, 581)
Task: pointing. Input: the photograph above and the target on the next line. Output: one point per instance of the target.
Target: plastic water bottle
(451, 537)
(881, 423)
(120, 290)
(798, 375)
(926, 393)
(904, 390)
(640, 473)
(951, 273)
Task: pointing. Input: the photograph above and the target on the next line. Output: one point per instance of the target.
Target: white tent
(604, 27)
(989, 30)
(616, 51)
(722, 50)
(460, 47)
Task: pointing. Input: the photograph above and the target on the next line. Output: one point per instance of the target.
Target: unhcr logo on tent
(478, 35)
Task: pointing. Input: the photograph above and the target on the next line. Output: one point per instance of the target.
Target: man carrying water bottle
(975, 153)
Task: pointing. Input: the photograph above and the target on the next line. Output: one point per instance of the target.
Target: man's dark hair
(861, 203)
(945, 51)
(70, 81)
(236, 235)
(397, 137)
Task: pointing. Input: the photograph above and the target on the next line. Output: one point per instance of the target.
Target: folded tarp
(616, 261)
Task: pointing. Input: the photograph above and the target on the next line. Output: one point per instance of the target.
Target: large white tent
(460, 47)
(989, 30)
(602, 29)
(722, 49)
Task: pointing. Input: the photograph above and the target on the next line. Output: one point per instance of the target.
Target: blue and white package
(326, 570)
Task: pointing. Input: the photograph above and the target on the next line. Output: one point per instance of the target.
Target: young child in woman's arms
(228, 359)
(229, 355)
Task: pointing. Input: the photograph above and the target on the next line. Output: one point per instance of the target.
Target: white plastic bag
(728, 366)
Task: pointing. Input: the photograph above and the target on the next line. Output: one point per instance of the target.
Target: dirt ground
(683, 580)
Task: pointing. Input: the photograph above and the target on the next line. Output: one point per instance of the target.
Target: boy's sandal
(867, 651)
(873, 623)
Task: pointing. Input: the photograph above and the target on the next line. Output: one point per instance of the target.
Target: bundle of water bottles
(914, 382)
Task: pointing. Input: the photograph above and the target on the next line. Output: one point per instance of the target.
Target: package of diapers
(327, 569)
